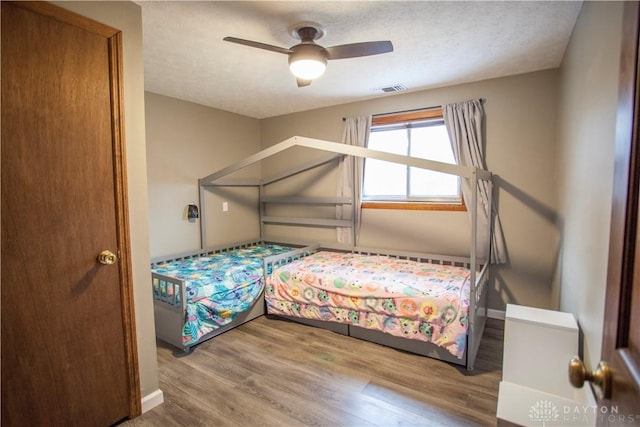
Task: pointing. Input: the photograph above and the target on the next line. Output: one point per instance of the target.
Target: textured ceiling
(436, 43)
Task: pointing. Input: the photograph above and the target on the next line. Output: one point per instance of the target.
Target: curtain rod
(410, 111)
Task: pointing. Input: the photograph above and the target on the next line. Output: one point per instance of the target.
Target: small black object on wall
(192, 213)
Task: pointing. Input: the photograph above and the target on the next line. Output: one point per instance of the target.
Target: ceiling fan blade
(258, 45)
(355, 50)
(303, 83)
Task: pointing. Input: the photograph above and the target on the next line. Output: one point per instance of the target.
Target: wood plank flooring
(271, 372)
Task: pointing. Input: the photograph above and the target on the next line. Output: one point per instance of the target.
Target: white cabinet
(535, 388)
(538, 345)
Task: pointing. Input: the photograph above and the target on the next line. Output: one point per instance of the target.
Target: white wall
(586, 137)
(185, 142)
(127, 17)
(520, 150)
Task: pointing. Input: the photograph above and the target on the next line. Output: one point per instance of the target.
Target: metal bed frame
(479, 268)
(477, 307)
(170, 300)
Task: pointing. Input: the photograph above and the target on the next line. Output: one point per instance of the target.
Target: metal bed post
(472, 267)
(354, 202)
(203, 234)
(490, 219)
(261, 210)
(474, 227)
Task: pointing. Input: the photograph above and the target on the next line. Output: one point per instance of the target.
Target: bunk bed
(466, 313)
(201, 294)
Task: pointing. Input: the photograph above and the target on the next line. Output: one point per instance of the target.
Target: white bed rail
(203, 252)
(416, 256)
(477, 314)
(270, 262)
(169, 291)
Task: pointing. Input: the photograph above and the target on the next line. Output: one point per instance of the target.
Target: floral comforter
(219, 286)
(404, 298)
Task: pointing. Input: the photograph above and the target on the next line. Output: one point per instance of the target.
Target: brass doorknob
(601, 377)
(107, 257)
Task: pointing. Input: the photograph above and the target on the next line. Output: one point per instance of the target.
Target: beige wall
(185, 142)
(127, 17)
(586, 131)
(520, 150)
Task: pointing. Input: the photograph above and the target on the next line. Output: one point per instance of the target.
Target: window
(392, 185)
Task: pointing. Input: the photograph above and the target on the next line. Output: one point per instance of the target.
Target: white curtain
(464, 125)
(350, 172)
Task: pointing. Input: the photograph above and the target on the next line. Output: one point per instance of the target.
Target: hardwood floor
(279, 373)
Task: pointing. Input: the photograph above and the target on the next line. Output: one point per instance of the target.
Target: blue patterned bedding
(219, 286)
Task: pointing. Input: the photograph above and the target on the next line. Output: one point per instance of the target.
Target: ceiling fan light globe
(308, 69)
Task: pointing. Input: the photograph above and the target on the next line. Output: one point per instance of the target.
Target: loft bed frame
(478, 267)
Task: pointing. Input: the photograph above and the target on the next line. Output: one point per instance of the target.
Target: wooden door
(621, 336)
(68, 343)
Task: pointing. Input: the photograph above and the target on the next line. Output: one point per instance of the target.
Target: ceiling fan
(308, 60)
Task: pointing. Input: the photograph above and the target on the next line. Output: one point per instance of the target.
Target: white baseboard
(152, 400)
(495, 314)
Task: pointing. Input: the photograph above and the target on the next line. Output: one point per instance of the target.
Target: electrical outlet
(225, 206)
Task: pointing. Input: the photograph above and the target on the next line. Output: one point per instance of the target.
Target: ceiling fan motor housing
(308, 51)
(308, 34)
(307, 30)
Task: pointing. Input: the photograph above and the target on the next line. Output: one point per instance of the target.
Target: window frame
(406, 118)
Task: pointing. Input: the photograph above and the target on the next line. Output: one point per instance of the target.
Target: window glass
(432, 143)
(427, 139)
(386, 179)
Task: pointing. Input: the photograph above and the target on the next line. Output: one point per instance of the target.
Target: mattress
(400, 297)
(219, 286)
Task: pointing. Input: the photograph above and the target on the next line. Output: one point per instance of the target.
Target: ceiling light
(307, 62)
